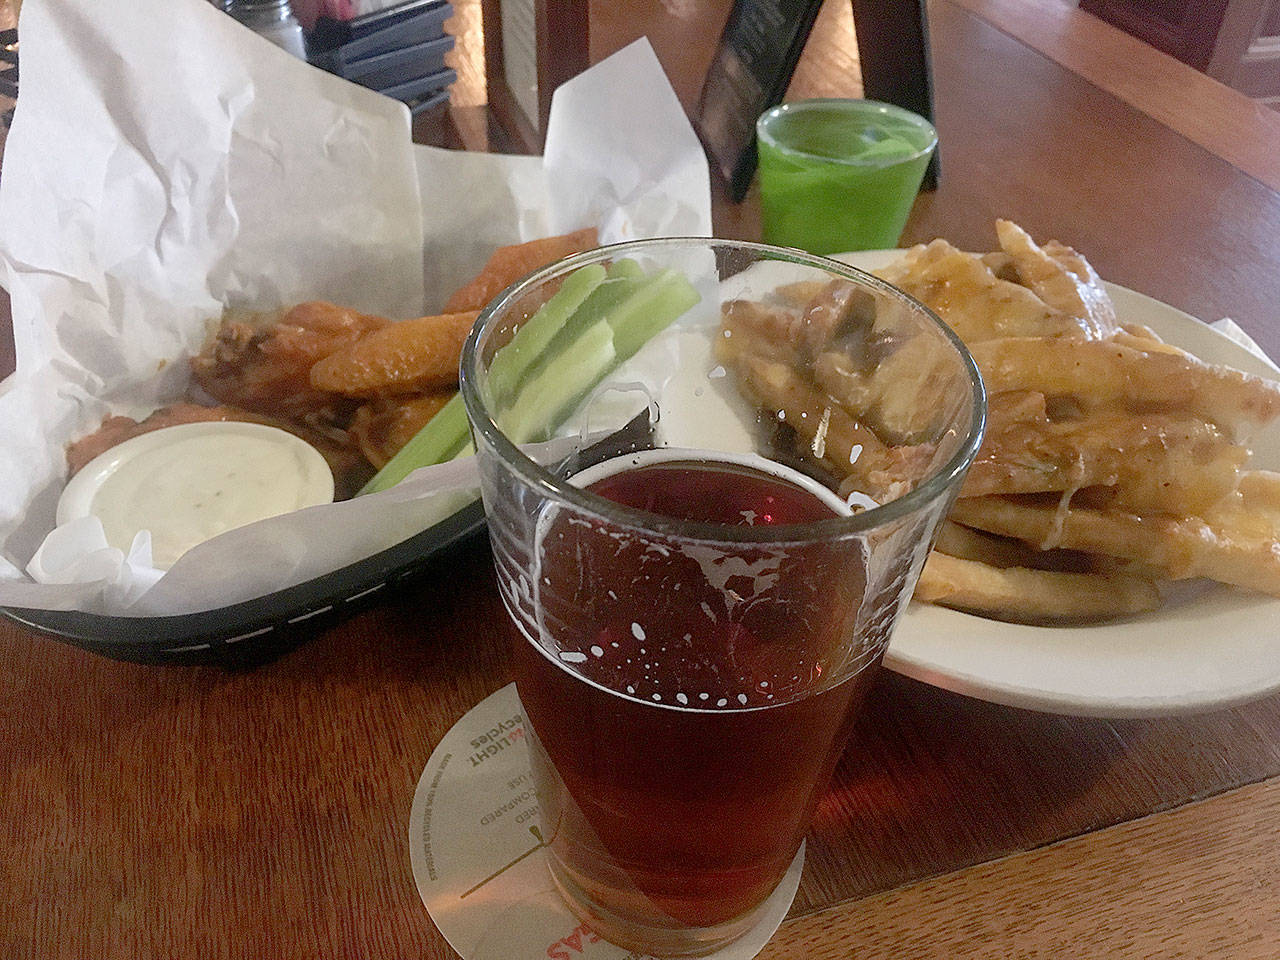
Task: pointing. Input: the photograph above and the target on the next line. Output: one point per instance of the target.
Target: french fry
(1112, 459)
(1107, 372)
(1015, 406)
(1159, 462)
(757, 328)
(1260, 492)
(800, 293)
(957, 540)
(898, 395)
(508, 264)
(1061, 278)
(831, 435)
(840, 310)
(973, 300)
(412, 356)
(965, 543)
(891, 390)
(1142, 337)
(1024, 595)
(1237, 543)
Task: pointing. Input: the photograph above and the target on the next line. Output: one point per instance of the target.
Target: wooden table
(164, 811)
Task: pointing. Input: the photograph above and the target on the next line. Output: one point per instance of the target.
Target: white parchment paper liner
(165, 162)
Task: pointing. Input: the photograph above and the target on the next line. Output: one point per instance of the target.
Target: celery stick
(597, 307)
(594, 322)
(544, 399)
(547, 397)
(649, 311)
(532, 339)
(436, 442)
(444, 434)
(626, 269)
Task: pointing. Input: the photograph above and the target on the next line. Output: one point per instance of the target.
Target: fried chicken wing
(263, 363)
(381, 427)
(411, 356)
(509, 264)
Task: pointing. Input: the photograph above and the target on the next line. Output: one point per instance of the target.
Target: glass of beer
(712, 472)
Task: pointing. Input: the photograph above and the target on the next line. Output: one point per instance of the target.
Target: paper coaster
(480, 867)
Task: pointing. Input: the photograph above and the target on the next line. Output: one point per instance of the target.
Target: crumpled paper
(165, 163)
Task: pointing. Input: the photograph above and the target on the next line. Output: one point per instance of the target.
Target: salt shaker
(272, 19)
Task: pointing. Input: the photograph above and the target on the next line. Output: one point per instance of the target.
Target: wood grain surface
(933, 781)
(1202, 881)
(191, 811)
(168, 809)
(165, 811)
(1024, 139)
(160, 812)
(1223, 121)
(1081, 160)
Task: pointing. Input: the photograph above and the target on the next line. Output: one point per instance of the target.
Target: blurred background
(1237, 42)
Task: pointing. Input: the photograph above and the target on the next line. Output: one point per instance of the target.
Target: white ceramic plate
(1209, 647)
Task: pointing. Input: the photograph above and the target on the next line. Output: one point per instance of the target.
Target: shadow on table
(933, 781)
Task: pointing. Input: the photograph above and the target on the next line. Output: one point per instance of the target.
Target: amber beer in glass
(700, 605)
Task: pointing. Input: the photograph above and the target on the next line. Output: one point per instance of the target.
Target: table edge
(1185, 877)
(1210, 114)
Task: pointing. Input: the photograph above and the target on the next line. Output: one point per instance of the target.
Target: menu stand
(893, 54)
(757, 55)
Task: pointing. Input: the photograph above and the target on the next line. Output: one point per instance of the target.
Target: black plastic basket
(258, 630)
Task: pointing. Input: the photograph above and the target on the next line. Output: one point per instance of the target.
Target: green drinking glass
(839, 175)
